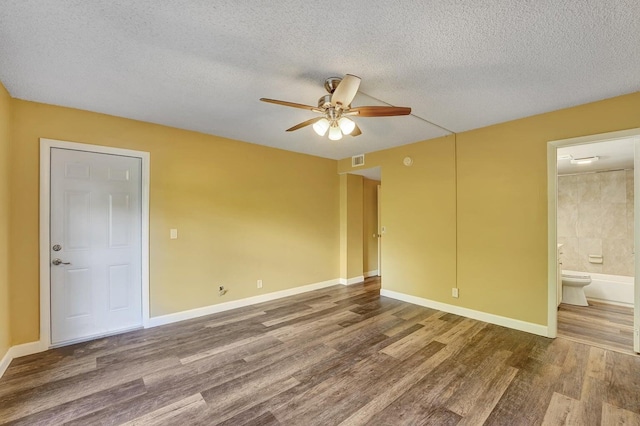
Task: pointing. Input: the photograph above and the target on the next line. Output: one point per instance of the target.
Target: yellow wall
(501, 217)
(370, 225)
(471, 213)
(418, 212)
(5, 134)
(244, 212)
(351, 228)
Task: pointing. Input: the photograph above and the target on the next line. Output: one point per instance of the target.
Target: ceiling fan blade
(379, 111)
(346, 91)
(289, 104)
(304, 124)
(356, 131)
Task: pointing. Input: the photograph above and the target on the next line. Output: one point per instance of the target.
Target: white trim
(5, 361)
(636, 244)
(221, 307)
(373, 273)
(45, 171)
(552, 237)
(515, 324)
(600, 137)
(19, 351)
(350, 281)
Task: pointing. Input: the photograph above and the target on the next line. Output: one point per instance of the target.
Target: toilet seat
(576, 280)
(577, 277)
(573, 288)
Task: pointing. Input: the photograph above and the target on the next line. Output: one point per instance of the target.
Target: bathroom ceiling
(203, 65)
(613, 155)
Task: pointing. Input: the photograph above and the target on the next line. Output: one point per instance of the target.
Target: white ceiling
(203, 65)
(613, 155)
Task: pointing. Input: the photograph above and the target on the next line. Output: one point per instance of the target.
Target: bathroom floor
(599, 324)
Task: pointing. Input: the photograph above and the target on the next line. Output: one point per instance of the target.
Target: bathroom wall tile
(614, 221)
(613, 186)
(587, 246)
(618, 257)
(567, 190)
(595, 216)
(567, 220)
(590, 220)
(593, 268)
(589, 188)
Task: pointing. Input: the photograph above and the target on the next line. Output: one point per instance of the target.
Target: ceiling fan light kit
(346, 125)
(335, 134)
(336, 108)
(321, 126)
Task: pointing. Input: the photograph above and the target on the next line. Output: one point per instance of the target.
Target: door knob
(60, 262)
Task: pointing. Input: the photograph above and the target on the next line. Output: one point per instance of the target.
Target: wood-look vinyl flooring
(340, 355)
(599, 324)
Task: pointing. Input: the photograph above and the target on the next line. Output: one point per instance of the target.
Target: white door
(95, 253)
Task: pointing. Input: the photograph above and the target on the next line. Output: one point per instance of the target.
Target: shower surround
(595, 217)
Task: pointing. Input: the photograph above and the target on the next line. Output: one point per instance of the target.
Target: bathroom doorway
(592, 234)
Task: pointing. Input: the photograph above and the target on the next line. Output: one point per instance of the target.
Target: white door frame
(45, 210)
(379, 232)
(552, 236)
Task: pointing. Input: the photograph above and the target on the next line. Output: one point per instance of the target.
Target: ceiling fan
(335, 109)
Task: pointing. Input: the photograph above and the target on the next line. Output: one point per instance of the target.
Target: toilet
(573, 288)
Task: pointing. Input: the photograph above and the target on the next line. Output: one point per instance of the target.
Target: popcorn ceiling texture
(595, 216)
(203, 65)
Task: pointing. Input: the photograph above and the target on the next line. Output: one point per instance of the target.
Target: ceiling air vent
(357, 160)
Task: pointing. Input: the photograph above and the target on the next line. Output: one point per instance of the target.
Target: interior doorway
(371, 221)
(592, 235)
(94, 241)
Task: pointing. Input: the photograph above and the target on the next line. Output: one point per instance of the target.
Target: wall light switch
(173, 234)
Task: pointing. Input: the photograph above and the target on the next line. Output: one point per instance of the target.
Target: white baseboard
(18, 351)
(515, 324)
(221, 307)
(350, 281)
(373, 273)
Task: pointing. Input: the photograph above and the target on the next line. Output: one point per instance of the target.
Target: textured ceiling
(203, 65)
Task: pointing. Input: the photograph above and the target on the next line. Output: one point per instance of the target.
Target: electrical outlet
(259, 283)
(454, 292)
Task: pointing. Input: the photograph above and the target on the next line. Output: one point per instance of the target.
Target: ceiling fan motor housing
(324, 101)
(331, 84)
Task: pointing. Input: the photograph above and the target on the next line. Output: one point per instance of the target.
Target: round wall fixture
(408, 161)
